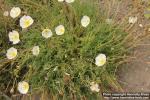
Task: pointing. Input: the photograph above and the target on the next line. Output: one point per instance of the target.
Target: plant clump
(63, 47)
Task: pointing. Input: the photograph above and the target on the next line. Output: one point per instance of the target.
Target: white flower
(11, 53)
(15, 12)
(14, 37)
(85, 21)
(94, 87)
(23, 87)
(36, 50)
(60, 30)
(132, 20)
(60, 0)
(69, 1)
(6, 13)
(47, 33)
(26, 21)
(100, 60)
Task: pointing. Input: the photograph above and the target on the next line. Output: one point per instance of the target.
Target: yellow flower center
(102, 61)
(25, 86)
(46, 30)
(15, 37)
(27, 22)
(13, 54)
(62, 30)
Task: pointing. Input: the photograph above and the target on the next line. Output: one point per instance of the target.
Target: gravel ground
(135, 75)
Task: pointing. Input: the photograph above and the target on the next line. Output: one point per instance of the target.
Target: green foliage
(73, 53)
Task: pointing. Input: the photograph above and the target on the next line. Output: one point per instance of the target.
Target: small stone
(142, 89)
(140, 25)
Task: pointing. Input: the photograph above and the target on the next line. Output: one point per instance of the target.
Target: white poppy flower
(6, 13)
(23, 87)
(11, 53)
(85, 21)
(26, 21)
(15, 12)
(60, 30)
(47, 33)
(132, 20)
(36, 50)
(14, 37)
(60, 0)
(69, 1)
(100, 60)
(94, 87)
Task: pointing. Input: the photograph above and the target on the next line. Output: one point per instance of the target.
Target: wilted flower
(47, 33)
(36, 50)
(60, 30)
(15, 12)
(100, 60)
(6, 13)
(85, 21)
(132, 20)
(69, 1)
(26, 21)
(94, 87)
(11, 53)
(109, 21)
(14, 37)
(23, 87)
